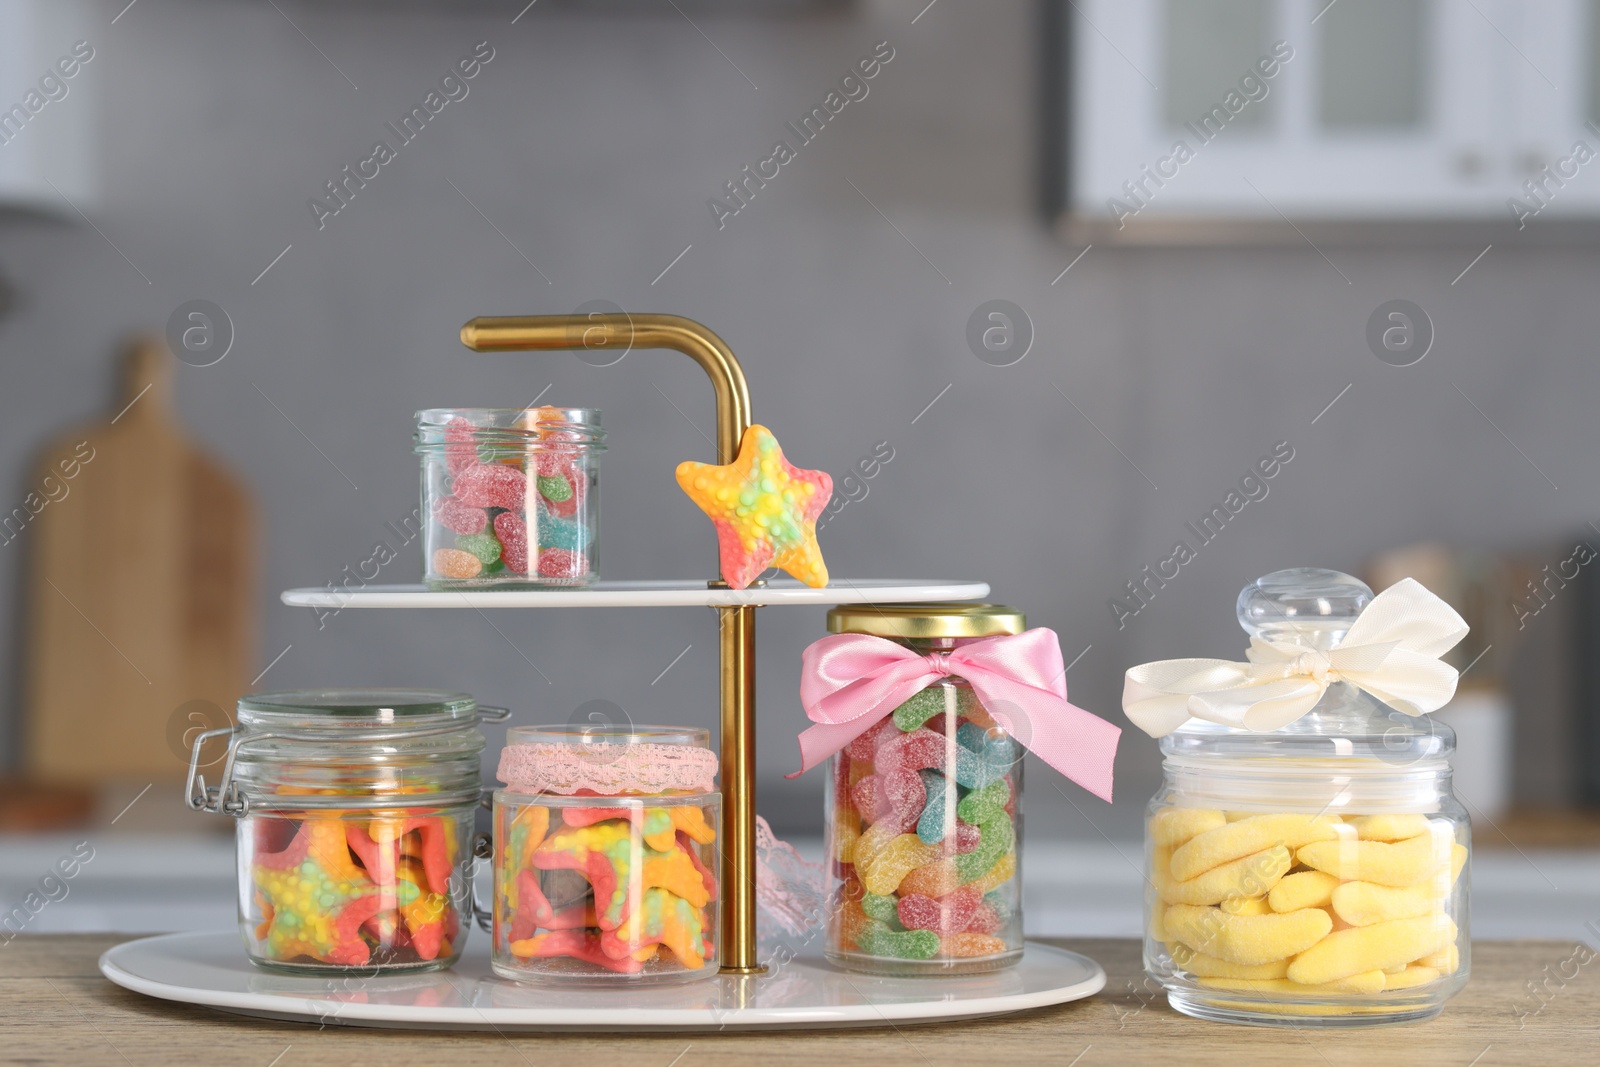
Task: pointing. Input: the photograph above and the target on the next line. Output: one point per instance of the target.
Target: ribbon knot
(1391, 651)
(851, 682)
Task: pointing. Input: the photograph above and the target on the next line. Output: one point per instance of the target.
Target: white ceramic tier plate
(210, 969)
(640, 594)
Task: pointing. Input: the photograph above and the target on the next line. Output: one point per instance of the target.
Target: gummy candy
(764, 508)
(880, 940)
(453, 515)
(554, 488)
(998, 838)
(865, 746)
(513, 535)
(461, 451)
(980, 805)
(482, 545)
(894, 861)
(492, 485)
(564, 533)
(971, 944)
(881, 908)
(454, 563)
(948, 914)
(931, 824)
(573, 504)
(921, 707)
(561, 563)
(917, 750)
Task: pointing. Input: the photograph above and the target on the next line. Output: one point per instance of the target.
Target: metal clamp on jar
(355, 815)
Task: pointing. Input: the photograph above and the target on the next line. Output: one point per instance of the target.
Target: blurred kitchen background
(1376, 253)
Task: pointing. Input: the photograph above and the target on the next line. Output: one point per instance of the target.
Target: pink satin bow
(849, 682)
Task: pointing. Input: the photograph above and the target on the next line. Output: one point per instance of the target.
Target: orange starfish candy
(765, 510)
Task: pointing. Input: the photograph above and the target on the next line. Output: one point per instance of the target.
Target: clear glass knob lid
(1310, 605)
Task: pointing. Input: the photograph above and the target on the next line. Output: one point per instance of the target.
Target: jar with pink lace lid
(606, 865)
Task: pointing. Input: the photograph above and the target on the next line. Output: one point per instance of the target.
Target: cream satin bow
(1392, 651)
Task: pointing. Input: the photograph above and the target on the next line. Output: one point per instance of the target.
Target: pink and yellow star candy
(765, 510)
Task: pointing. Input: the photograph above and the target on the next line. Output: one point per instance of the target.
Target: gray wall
(593, 144)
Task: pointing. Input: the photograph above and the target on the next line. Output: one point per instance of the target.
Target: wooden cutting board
(141, 576)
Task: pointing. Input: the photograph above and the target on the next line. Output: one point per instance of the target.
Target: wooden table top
(56, 1009)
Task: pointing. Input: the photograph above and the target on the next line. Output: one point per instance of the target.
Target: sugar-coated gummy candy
(573, 504)
(561, 563)
(1248, 876)
(917, 750)
(1399, 864)
(1302, 889)
(968, 837)
(846, 831)
(881, 908)
(1244, 905)
(985, 920)
(460, 451)
(864, 797)
(1389, 827)
(932, 823)
(902, 797)
(455, 563)
(457, 517)
(1365, 903)
(877, 939)
(865, 746)
(998, 837)
(1172, 827)
(1366, 983)
(1413, 975)
(569, 534)
(999, 903)
(482, 545)
(512, 533)
(1247, 837)
(873, 840)
(969, 945)
(1365, 948)
(1203, 966)
(491, 485)
(1446, 961)
(933, 880)
(882, 874)
(1003, 871)
(554, 487)
(982, 757)
(920, 707)
(981, 805)
(1249, 938)
(951, 913)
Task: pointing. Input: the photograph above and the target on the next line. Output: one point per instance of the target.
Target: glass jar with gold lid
(923, 812)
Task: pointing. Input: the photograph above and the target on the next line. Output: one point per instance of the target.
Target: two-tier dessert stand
(211, 969)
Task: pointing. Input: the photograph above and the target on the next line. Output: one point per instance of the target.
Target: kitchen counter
(58, 1010)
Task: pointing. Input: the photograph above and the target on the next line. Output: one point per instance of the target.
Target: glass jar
(355, 812)
(923, 814)
(510, 496)
(1315, 874)
(606, 865)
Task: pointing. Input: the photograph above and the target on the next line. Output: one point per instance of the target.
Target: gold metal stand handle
(737, 625)
(523, 333)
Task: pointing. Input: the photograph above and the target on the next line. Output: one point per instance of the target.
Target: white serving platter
(641, 594)
(210, 969)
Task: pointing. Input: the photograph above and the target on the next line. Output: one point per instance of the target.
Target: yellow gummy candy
(1173, 826)
(1405, 863)
(1368, 948)
(1368, 982)
(1364, 903)
(1202, 966)
(1302, 889)
(873, 840)
(1389, 827)
(1004, 869)
(1445, 961)
(882, 874)
(1248, 938)
(1158, 929)
(1249, 876)
(1247, 837)
(1411, 976)
(1245, 905)
(846, 831)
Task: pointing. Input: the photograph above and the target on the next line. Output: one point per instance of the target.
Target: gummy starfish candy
(316, 899)
(765, 510)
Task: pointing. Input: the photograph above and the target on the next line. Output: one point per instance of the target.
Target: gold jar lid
(933, 619)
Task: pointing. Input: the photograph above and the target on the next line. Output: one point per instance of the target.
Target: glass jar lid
(935, 619)
(346, 748)
(1366, 751)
